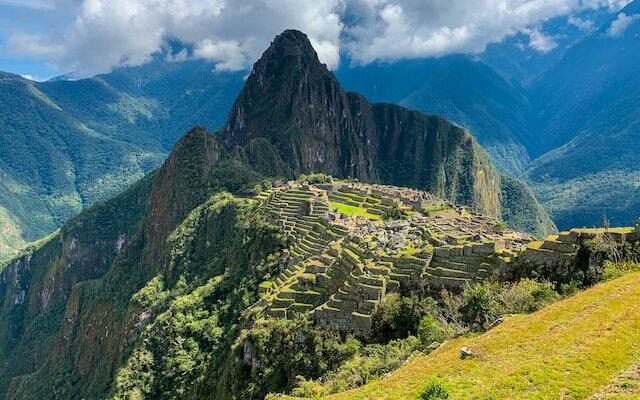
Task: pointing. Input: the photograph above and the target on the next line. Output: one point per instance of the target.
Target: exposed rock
(465, 353)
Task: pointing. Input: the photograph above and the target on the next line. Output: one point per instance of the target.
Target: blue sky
(31, 16)
(45, 38)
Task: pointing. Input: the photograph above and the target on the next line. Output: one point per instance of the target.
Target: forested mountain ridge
(68, 144)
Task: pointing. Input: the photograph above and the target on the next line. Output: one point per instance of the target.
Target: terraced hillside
(351, 244)
(346, 251)
(584, 346)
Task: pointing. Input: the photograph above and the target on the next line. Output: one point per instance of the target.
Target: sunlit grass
(353, 210)
(569, 350)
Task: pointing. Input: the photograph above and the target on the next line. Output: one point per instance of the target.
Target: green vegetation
(573, 348)
(435, 390)
(353, 210)
(393, 212)
(68, 144)
(156, 294)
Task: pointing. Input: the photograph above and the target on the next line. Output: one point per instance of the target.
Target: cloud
(233, 33)
(621, 23)
(105, 34)
(582, 24)
(539, 41)
(392, 29)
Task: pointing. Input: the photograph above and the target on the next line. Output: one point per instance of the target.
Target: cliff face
(296, 103)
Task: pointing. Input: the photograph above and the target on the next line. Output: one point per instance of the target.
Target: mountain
(564, 120)
(588, 138)
(162, 277)
(298, 106)
(67, 144)
(460, 88)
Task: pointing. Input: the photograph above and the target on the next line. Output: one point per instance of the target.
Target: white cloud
(539, 41)
(621, 23)
(582, 24)
(228, 55)
(391, 29)
(233, 33)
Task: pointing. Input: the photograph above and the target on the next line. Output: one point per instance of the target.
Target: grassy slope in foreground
(569, 350)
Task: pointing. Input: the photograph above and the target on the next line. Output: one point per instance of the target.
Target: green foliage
(368, 363)
(314, 178)
(521, 211)
(399, 316)
(430, 330)
(435, 390)
(278, 352)
(392, 212)
(484, 303)
(175, 351)
(615, 270)
(212, 279)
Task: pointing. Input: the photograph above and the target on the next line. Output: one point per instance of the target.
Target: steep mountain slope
(460, 89)
(66, 313)
(67, 144)
(53, 163)
(597, 330)
(589, 129)
(295, 103)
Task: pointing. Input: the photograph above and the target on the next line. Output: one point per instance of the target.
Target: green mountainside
(68, 144)
(460, 89)
(158, 292)
(590, 146)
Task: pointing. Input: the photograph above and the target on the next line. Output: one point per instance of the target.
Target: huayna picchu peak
(312, 125)
(315, 243)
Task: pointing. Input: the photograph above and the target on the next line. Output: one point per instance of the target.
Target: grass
(624, 229)
(569, 350)
(353, 210)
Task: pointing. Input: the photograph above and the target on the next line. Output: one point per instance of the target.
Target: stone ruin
(339, 267)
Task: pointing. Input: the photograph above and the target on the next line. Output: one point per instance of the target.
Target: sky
(41, 39)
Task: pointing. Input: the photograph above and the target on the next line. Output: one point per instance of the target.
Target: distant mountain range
(566, 121)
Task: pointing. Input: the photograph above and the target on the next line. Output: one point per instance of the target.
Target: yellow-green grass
(536, 244)
(352, 210)
(569, 350)
(622, 229)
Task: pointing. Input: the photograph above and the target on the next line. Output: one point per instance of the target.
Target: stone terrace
(343, 258)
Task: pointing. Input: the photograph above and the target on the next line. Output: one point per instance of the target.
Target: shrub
(398, 317)
(435, 390)
(613, 270)
(480, 305)
(526, 296)
(393, 212)
(314, 178)
(430, 331)
(485, 302)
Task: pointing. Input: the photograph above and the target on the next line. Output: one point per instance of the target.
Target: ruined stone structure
(344, 258)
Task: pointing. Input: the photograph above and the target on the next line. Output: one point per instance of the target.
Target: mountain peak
(291, 44)
(285, 85)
